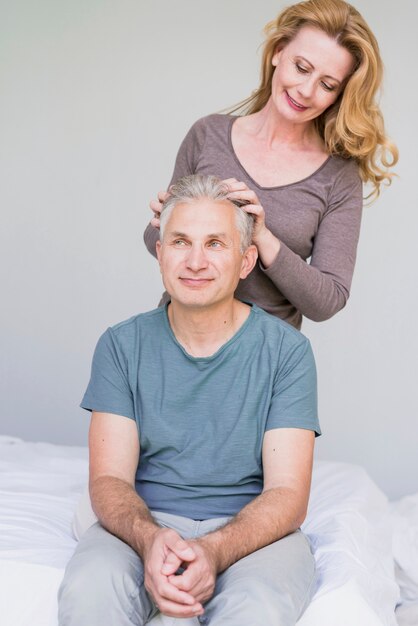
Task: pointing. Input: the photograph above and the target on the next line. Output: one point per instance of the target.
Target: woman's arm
(318, 289)
(321, 288)
(185, 164)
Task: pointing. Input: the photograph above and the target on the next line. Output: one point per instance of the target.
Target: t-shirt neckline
(225, 346)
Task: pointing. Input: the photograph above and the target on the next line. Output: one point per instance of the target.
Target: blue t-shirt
(201, 420)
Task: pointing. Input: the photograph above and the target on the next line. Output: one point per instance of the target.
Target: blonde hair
(353, 126)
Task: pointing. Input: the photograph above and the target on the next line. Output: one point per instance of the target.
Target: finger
(155, 222)
(179, 596)
(161, 589)
(172, 609)
(255, 209)
(181, 548)
(162, 196)
(155, 206)
(189, 578)
(244, 194)
(229, 181)
(237, 186)
(200, 588)
(174, 559)
(171, 564)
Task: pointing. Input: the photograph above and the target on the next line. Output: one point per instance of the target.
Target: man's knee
(270, 586)
(103, 583)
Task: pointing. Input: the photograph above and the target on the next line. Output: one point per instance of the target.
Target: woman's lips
(295, 105)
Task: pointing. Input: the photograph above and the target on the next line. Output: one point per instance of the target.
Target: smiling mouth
(294, 104)
(195, 282)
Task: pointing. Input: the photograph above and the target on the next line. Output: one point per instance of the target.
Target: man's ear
(158, 250)
(249, 259)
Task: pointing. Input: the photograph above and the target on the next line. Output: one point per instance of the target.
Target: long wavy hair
(352, 127)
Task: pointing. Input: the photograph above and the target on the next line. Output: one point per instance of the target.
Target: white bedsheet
(40, 485)
(404, 517)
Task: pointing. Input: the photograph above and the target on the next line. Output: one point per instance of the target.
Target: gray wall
(95, 99)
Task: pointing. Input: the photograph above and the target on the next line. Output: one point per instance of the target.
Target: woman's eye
(328, 87)
(301, 69)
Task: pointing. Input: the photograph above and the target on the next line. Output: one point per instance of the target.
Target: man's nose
(197, 258)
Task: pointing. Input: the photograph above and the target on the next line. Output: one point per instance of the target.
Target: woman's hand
(156, 205)
(240, 191)
(267, 244)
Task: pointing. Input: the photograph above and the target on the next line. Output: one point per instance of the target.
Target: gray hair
(196, 186)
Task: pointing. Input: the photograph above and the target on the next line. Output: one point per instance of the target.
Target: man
(201, 442)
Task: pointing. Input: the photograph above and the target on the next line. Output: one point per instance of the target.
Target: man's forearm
(269, 517)
(122, 512)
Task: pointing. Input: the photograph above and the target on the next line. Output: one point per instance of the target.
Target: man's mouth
(294, 104)
(195, 282)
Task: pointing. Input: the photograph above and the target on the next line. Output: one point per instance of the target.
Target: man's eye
(179, 243)
(215, 244)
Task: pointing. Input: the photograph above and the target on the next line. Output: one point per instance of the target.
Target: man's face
(200, 257)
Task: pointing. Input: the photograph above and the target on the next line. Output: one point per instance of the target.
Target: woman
(309, 136)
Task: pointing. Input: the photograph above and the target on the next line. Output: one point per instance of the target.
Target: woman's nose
(306, 88)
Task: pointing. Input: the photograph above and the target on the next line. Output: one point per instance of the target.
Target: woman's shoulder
(215, 122)
(342, 183)
(337, 167)
(210, 133)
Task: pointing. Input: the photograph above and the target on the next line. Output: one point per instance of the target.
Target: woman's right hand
(156, 205)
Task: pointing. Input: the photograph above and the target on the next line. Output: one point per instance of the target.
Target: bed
(350, 525)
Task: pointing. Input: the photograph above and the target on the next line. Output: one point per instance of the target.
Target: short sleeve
(294, 400)
(108, 390)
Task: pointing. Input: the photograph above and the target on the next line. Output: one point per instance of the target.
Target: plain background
(96, 97)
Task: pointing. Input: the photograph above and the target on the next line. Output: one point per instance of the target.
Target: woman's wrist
(268, 247)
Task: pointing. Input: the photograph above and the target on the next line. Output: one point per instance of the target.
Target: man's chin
(198, 299)
(195, 301)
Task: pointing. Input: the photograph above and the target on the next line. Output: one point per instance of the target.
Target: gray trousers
(103, 584)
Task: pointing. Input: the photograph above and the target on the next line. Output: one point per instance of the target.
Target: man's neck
(202, 331)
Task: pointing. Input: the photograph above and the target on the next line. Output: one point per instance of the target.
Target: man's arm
(281, 507)
(114, 454)
(279, 510)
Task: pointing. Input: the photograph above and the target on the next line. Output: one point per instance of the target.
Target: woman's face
(310, 74)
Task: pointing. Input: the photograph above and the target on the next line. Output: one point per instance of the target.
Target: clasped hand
(181, 594)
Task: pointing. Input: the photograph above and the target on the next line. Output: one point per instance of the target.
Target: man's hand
(170, 598)
(199, 576)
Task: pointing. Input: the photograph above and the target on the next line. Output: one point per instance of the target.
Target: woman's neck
(269, 127)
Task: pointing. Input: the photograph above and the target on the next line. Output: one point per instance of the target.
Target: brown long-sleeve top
(317, 219)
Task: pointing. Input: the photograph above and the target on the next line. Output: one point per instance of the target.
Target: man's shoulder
(277, 328)
(138, 323)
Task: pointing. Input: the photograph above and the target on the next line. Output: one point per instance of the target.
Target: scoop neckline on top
(223, 347)
(231, 121)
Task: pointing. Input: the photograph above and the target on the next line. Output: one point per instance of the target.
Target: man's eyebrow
(178, 234)
(218, 236)
(313, 67)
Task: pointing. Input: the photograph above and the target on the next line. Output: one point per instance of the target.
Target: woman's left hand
(240, 191)
(267, 244)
